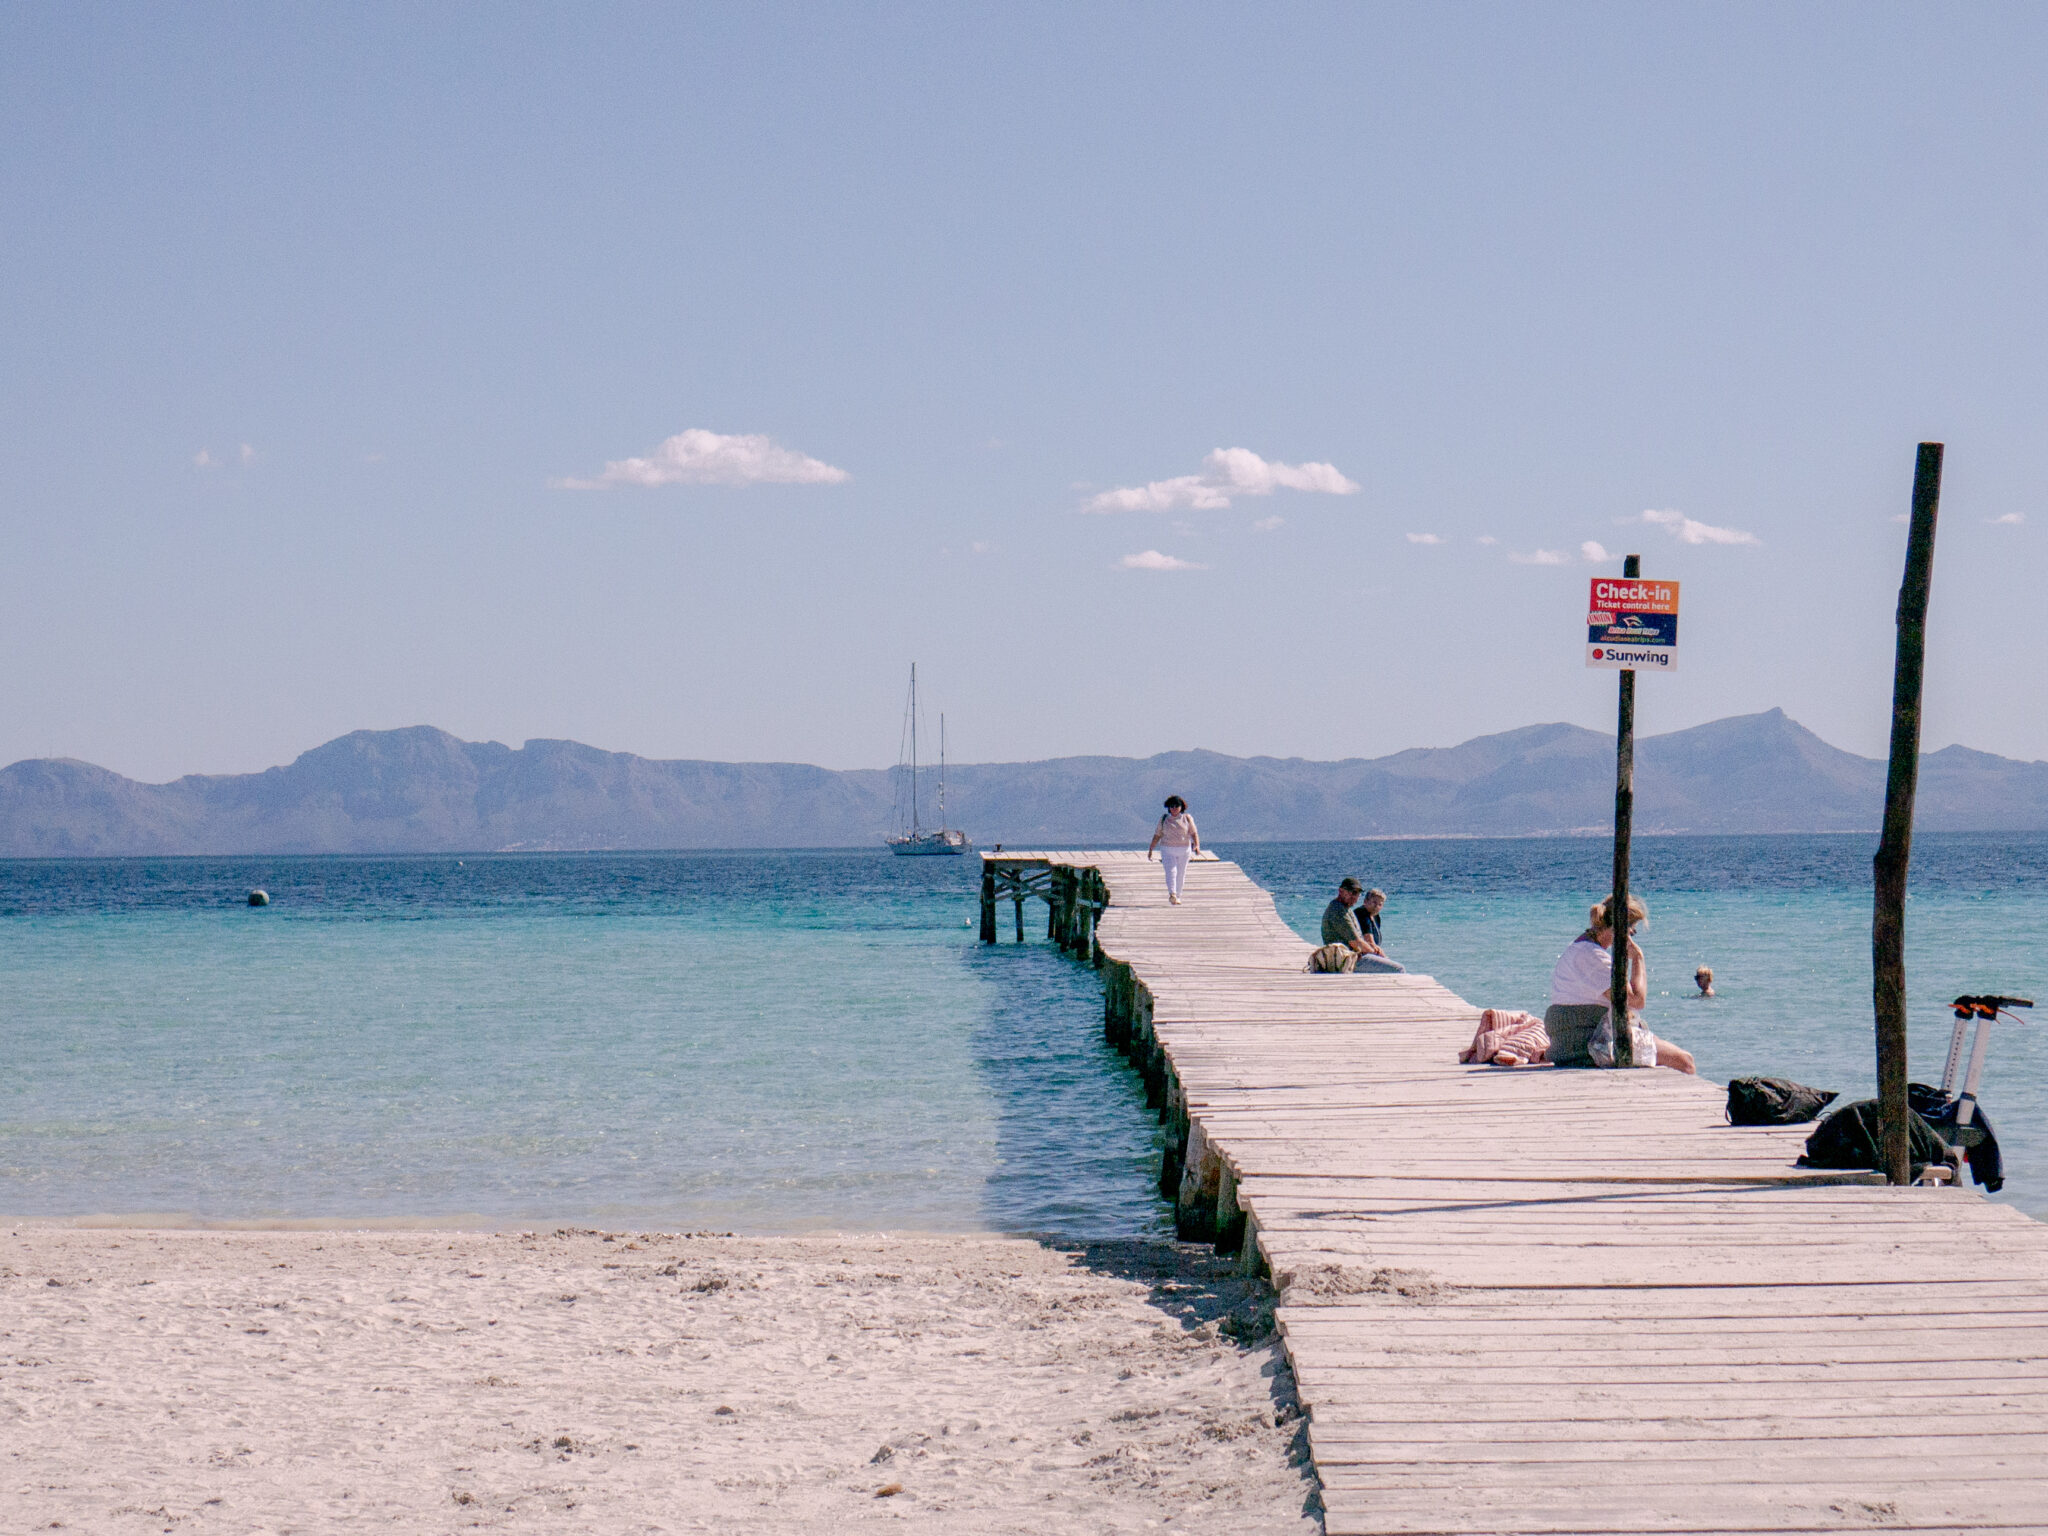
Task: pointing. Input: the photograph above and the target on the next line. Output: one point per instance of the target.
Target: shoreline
(429, 1379)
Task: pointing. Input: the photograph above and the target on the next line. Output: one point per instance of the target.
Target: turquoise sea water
(755, 1042)
(783, 1041)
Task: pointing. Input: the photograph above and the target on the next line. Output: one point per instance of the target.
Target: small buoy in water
(259, 898)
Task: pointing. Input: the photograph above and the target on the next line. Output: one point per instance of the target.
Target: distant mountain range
(422, 790)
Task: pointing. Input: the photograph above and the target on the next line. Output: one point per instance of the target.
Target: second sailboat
(913, 837)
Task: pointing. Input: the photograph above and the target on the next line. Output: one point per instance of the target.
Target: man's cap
(1349, 884)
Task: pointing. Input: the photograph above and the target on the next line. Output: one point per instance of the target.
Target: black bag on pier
(1852, 1137)
(1775, 1101)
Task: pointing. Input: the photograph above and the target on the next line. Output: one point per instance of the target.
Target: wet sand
(305, 1381)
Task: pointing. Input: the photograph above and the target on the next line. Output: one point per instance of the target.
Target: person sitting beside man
(1341, 925)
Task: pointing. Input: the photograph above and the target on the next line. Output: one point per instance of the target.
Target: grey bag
(1332, 959)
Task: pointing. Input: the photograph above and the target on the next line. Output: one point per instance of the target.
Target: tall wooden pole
(1624, 816)
(1895, 847)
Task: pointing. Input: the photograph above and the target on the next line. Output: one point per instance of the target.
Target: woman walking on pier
(1176, 841)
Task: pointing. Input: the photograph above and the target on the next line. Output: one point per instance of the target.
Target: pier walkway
(1547, 1301)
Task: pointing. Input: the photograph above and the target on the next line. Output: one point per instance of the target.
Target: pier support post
(1197, 1185)
(1250, 1262)
(988, 904)
(1624, 819)
(1230, 1216)
(1895, 846)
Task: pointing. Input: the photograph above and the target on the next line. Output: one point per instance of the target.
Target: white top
(1178, 831)
(1584, 975)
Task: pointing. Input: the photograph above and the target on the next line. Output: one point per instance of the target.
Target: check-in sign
(1632, 625)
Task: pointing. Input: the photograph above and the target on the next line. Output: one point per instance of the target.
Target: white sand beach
(299, 1381)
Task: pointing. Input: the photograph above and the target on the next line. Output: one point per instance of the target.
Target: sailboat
(915, 838)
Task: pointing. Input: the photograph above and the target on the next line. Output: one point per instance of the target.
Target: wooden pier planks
(1544, 1301)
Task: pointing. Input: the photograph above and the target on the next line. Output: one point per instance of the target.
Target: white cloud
(1591, 550)
(698, 457)
(1254, 476)
(1489, 541)
(204, 459)
(1268, 524)
(1541, 557)
(1152, 560)
(1686, 531)
(1901, 518)
(1430, 538)
(2010, 520)
(1228, 472)
(249, 453)
(1160, 496)
(982, 547)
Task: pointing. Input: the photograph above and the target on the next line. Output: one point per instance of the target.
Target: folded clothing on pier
(1507, 1039)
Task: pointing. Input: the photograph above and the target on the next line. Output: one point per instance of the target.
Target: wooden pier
(1551, 1301)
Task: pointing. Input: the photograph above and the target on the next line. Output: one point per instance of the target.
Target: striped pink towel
(1507, 1039)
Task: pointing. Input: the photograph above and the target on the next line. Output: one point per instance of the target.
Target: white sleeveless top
(1583, 976)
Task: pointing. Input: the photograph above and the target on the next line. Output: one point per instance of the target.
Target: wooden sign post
(1624, 818)
(1895, 846)
(1630, 623)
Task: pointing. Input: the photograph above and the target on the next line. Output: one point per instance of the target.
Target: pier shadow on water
(1077, 1150)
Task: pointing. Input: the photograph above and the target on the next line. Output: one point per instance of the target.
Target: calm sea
(786, 1041)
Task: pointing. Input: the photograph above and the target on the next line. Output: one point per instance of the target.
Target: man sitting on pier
(1340, 926)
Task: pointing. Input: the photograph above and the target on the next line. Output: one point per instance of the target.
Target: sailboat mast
(916, 838)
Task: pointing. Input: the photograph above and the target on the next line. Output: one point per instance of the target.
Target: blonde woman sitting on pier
(1580, 1020)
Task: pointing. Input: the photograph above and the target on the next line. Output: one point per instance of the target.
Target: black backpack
(1851, 1138)
(1978, 1141)
(1774, 1101)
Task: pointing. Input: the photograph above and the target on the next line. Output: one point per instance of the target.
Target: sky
(1263, 379)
